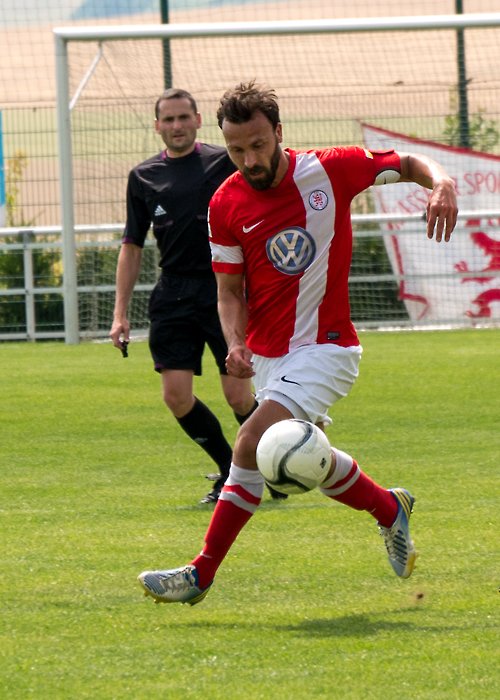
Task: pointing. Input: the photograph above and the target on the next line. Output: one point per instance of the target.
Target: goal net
(328, 85)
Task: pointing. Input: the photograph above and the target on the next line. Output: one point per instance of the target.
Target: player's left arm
(442, 206)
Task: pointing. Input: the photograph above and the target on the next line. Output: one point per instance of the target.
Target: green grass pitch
(98, 483)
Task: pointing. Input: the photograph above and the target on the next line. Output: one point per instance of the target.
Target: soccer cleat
(213, 495)
(277, 495)
(173, 585)
(402, 554)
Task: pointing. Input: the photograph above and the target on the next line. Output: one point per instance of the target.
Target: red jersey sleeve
(227, 253)
(364, 168)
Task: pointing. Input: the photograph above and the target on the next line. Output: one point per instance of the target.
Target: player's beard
(263, 183)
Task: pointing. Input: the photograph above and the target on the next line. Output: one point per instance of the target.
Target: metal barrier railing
(102, 234)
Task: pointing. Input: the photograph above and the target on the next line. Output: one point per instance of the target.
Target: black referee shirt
(174, 194)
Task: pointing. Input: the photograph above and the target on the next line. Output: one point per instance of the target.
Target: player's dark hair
(175, 94)
(240, 104)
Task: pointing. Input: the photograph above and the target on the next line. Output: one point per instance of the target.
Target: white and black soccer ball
(294, 456)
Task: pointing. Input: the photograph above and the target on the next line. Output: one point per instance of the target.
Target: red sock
(228, 520)
(365, 494)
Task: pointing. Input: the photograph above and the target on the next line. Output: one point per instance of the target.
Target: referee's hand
(120, 326)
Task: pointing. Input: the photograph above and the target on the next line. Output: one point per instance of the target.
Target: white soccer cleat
(400, 549)
(173, 585)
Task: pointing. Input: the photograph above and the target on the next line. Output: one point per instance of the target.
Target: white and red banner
(440, 292)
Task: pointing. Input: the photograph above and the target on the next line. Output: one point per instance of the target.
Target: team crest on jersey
(318, 200)
(292, 250)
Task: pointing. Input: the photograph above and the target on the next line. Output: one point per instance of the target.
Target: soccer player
(173, 190)
(281, 243)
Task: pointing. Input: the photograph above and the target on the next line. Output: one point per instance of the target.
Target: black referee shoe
(277, 495)
(213, 495)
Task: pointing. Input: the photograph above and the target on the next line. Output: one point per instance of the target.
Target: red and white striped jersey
(294, 245)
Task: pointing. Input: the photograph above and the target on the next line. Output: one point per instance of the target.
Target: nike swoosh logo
(289, 381)
(247, 230)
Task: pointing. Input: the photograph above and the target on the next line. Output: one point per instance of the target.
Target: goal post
(300, 87)
(70, 293)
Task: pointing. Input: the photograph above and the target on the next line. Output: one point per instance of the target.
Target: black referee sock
(203, 427)
(241, 419)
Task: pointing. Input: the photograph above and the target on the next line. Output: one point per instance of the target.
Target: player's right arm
(127, 273)
(229, 268)
(233, 314)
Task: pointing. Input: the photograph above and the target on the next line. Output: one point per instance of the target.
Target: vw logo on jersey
(318, 200)
(292, 250)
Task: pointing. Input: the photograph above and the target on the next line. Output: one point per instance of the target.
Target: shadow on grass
(349, 626)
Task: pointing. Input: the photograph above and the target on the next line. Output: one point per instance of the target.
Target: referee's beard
(263, 183)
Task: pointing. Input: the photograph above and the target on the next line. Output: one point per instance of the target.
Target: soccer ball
(294, 456)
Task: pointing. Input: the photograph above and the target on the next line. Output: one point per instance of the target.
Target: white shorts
(308, 380)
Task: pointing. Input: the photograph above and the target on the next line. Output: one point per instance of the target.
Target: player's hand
(442, 210)
(120, 326)
(239, 362)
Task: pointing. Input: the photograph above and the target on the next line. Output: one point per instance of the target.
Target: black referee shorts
(183, 315)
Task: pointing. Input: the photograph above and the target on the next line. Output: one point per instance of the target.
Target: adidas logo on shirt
(159, 210)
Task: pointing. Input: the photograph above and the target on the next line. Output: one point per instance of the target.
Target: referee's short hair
(240, 104)
(175, 94)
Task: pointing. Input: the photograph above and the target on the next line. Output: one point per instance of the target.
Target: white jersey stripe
(310, 176)
(238, 501)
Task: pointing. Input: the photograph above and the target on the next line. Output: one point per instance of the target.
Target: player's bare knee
(238, 394)
(240, 404)
(178, 404)
(245, 447)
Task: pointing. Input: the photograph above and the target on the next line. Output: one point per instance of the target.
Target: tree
(484, 134)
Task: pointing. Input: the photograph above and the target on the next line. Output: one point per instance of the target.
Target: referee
(172, 190)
